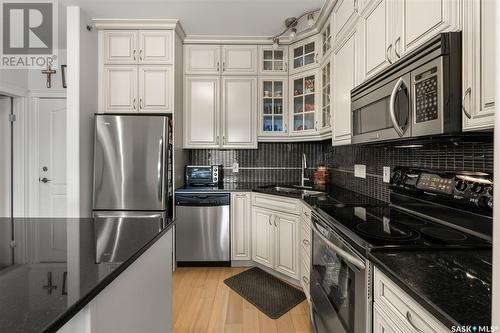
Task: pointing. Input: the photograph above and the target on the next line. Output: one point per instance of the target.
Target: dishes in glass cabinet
(309, 85)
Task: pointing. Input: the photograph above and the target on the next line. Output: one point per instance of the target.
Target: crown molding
(141, 24)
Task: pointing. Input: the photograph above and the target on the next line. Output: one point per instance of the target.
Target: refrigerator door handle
(161, 163)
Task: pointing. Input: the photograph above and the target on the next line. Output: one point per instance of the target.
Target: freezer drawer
(118, 235)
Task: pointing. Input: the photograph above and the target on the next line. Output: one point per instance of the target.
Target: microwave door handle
(342, 253)
(392, 113)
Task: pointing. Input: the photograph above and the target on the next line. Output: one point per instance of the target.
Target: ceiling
(205, 17)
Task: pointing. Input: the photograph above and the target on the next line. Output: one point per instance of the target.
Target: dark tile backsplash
(281, 162)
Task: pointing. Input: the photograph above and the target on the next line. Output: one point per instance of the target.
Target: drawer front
(273, 202)
(402, 307)
(382, 323)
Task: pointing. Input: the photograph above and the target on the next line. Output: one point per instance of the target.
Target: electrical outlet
(360, 170)
(387, 174)
(236, 167)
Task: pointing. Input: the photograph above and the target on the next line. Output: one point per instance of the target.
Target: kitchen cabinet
(138, 47)
(241, 223)
(286, 238)
(239, 112)
(202, 59)
(202, 111)
(417, 21)
(120, 84)
(156, 88)
(407, 315)
(326, 40)
(304, 103)
(273, 106)
(382, 324)
(326, 83)
(344, 14)
(239, 60)
(273, 61)
(263, 236)
(304, 55)
(374, 38)
(479, 62)
(344, 79)
(305, 251)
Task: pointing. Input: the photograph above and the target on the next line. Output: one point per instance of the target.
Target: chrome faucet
(303, 169)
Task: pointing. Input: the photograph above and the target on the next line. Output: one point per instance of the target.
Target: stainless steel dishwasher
(202, 229)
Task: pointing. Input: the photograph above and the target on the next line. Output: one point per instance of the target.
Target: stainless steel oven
(340, 283)
(416, 96)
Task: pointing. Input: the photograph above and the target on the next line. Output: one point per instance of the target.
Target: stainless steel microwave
(419, 95)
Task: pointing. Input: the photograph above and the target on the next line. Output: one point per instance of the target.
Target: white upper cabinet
(155, 88)
(375, 37)
(239, 59)
(304, 55)
(273, 114)
(326, 40)
(239, 112)
(304, 103)
(273, 61)
(202, 59)
(202, 111)
(417, 21)
(344, 13)
(479, 64)
(326, 89)
(156, 47)
(120, 47)
(120, 88)
(344, 79)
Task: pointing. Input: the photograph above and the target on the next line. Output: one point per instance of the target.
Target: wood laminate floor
(203, 303)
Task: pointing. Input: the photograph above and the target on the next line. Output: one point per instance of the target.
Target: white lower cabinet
(241, 221)
(305, 251)
(406, 314)
(275, 238)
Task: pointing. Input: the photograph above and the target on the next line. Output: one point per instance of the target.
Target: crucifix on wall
(49, 71)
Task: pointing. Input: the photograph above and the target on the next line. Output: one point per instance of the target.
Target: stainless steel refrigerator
(132, 181)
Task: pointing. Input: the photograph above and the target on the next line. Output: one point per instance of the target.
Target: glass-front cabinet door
(304, 55)
(273, 106)
(273, 61)
(326, 40)
(303, 96)
(325, 122)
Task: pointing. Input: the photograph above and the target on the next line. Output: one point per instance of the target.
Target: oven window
(200, 174)
(337, 282)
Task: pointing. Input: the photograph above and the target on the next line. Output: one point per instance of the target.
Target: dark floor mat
(268, 293)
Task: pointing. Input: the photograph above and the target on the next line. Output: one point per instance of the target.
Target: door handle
(269, 219)
(394, 121)
(467, 113)
(306, 242)
(410, 321)
(396, 43)
(387, 53)
(275, 224)
(140, 103)
(140, 54)
(133, 104)
(44, 180)
(134, 55)
(160, 170)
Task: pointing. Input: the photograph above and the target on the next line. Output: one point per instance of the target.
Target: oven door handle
(344, 254)
(392, 113)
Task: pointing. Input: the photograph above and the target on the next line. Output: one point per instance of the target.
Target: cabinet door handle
(275, 223)
(467, 113)
(396, 43)
(305, 279)
(307, 214)
(306, 242)
(223, 139)
(285, 66)
(387, 53)
(140, 103)
(269, 219)
(223, 66)
(316, 57)
(133, 104)
(410, 320)
(134, 55)
(218, 66)
(140, 54)
(217, 140)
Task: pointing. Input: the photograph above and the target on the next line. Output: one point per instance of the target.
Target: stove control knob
(460, 185)
(397, 176)
(490, 191)
(477, 188)
(485, 202)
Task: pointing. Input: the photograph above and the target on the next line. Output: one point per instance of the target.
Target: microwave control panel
(426, 96)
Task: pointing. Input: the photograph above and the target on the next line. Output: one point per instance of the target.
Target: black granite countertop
(455, 286)
(55, 273)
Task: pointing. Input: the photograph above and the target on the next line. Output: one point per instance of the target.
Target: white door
(239, 59)
(344, 79)
(417, 21)
(156, 47)
(201, 117)
(239, 112)
(120, 88)
(155, 88)
(287, 244)
(263, 236)
(5, 162)
(120, 47)
(202, 59)
(52, 157)
(374, 38)
(241, 220)
(479, 63)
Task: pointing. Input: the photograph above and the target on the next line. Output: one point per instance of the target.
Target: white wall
(82, 104)
(4, 157)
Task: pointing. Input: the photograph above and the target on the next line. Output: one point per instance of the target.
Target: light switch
(387, 174)
(360, 170)
(236, 167)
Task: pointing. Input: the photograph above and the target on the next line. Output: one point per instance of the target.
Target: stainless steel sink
(295, 190)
